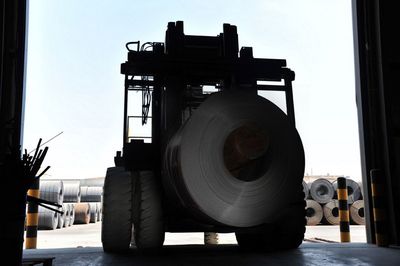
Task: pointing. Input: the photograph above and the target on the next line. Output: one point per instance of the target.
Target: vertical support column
(288, 78)
(344, 217)
(378, 203)
(32, 218)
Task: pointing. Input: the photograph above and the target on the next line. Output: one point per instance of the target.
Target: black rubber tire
(116, 227)
(147, 212)
(286, 233)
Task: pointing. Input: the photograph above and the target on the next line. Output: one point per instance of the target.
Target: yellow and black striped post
(378, 203)
(32, 218)
(344, 217)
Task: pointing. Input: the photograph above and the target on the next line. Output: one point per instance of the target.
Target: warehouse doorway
(79, 58)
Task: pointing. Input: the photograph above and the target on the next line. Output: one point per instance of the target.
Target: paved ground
(308, 254)
(188, 249)
(89, 236)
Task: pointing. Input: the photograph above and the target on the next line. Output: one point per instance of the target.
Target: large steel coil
(72, 212)
(91, 194)
(61, 219)
(67, 210)
(322, 191)
(94, 212)
(314, 212)
(48, 219)
(331, 212)
(82, 213)
(52, 191)
(306, 190)
(357, 212)
(237, 161)
(353, 190)
(100, 209)
(72, 192)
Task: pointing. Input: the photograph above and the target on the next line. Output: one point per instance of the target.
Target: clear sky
(75, 49)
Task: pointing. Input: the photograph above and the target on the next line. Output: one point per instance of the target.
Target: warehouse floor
(308, 254)
(89, 235)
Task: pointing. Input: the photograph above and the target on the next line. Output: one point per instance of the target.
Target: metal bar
(139, 82)
(137, 116)
(271, 88)
(126, 110)
(289, 101)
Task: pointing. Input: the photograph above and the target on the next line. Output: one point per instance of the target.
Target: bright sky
(75, 49)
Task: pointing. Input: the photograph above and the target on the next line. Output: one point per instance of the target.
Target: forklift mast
(173, 76)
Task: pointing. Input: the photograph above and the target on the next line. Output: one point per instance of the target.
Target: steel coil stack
(322, 204)
(51, 191)
(93, 197)
(80, 205)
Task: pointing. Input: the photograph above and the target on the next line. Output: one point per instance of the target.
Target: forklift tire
(116, 227)
(147, 213)
(286, 233)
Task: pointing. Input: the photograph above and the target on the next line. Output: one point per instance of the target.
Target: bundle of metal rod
(378, 203)
(344, 216)
(18, 175)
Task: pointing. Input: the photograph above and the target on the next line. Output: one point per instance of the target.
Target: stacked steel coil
(69, 194)
(322, 205)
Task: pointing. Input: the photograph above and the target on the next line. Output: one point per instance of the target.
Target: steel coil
(48, 219)
(100, 210)
(72, 192)
(52, 191)
(306, 190)
(357, 212)
(72, 212)
(353, 190)
(237, 161)
(331, 212)
(314, 212)
(82, 213)
(67, 210)
(91, 194)
(93, 212)
(322, 191)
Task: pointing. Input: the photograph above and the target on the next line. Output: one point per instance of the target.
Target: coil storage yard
(80, 204)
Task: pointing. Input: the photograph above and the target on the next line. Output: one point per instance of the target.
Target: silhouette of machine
(220, 158)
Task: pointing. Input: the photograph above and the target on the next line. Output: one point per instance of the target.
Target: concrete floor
(90, 236)
(308, 254)
(187, 249)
